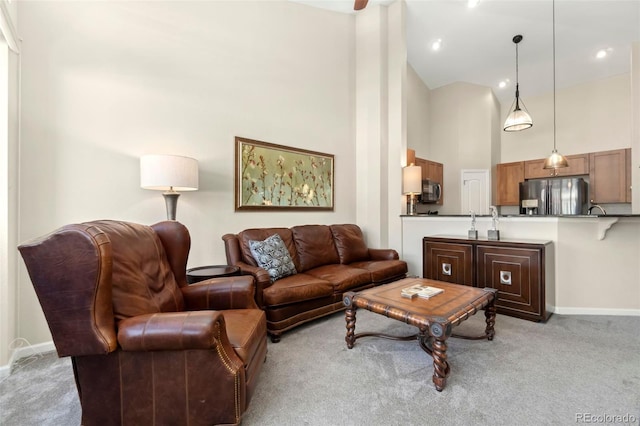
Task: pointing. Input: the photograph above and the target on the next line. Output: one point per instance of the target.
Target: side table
(202, 273)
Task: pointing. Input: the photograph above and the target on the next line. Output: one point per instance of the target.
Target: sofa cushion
(296, 288)
(260, 234)
(272, 255)
(315, 247)
(342, 277)
(383, 270)
(349, 242)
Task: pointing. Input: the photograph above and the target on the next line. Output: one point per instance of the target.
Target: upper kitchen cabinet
(508, 178)
(578, 165)
(434, 172)
(609, 180)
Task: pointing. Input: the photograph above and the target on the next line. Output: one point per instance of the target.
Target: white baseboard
(23, 352)
(596, 311)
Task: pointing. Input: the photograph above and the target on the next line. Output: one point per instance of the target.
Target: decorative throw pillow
(273, 256)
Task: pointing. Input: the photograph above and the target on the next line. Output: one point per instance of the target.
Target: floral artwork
(270, 176)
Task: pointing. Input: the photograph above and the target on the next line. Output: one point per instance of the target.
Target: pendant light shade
(555, 160)
(519, 118)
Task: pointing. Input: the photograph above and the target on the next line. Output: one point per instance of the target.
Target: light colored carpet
(530, 374)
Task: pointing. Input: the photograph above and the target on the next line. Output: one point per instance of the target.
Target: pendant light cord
(517, 80)
(554, 74)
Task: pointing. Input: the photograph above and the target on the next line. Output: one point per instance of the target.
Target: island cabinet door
(450, 262)
(517, 274)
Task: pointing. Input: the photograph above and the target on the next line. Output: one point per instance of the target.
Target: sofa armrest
(261, 277)
(172, 331)
(221, 293)
(383, 254)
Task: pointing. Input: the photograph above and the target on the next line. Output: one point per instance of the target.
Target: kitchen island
(597, 258)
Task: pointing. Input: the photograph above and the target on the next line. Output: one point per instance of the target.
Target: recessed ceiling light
(472, 3)
(601, 54)
(503, 83)
(436, 45)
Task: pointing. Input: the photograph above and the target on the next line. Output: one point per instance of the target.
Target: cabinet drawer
(517, 274)
(452, 263)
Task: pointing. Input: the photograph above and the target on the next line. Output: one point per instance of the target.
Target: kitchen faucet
(598, 206)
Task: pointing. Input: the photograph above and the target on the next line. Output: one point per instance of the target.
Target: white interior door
(475, 191)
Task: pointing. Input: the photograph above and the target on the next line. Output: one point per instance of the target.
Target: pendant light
(555, 160)
(519, 118)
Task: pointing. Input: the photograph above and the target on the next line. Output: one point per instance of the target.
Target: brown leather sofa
(329, 260)
(147, 348)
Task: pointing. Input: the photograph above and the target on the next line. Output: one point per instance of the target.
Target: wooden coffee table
(434, 317)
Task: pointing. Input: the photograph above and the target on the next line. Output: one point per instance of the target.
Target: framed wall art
(277, 177)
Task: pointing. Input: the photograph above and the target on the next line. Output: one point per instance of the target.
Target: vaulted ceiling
(477, 44)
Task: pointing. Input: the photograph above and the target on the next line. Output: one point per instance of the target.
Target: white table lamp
(169, 173)
(412, 185)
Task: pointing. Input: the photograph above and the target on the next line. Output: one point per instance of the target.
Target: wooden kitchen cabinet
(434, 172)
(521, 271)
(508, 178)
(578, 165)
(608, 182)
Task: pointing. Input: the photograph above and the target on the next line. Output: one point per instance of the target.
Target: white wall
(106, 82)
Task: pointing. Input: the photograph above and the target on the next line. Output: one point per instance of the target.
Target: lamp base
(411, 205)
(171, 201)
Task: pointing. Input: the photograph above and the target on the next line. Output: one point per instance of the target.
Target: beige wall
(380, 121)
(461, 134)
(464, 127)
(595, 269)
(418, 101)
(8, 182)
(594, 116)
(106, 82)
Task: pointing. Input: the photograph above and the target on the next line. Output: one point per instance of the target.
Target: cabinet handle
(446, 268)
(505, 277)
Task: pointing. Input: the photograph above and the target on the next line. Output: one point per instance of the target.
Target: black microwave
(431, 191)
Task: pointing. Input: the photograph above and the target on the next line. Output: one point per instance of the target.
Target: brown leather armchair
(147, 348)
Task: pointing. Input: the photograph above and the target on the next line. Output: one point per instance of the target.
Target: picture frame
(277, 177)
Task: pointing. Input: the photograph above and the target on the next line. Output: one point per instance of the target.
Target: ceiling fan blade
(360, 4)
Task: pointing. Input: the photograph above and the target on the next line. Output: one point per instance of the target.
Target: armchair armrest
(172, 331)
(383, 254)
(220, 293)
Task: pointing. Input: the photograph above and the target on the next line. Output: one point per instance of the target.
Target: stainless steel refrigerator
(556, 196)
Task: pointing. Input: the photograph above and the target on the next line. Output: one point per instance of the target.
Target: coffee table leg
(350, 317)
(440, 364)
(490, 316)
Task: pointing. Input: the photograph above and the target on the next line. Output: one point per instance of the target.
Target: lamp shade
(168, 172)
(412, 179)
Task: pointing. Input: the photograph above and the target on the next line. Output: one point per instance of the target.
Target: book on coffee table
(422, 291)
